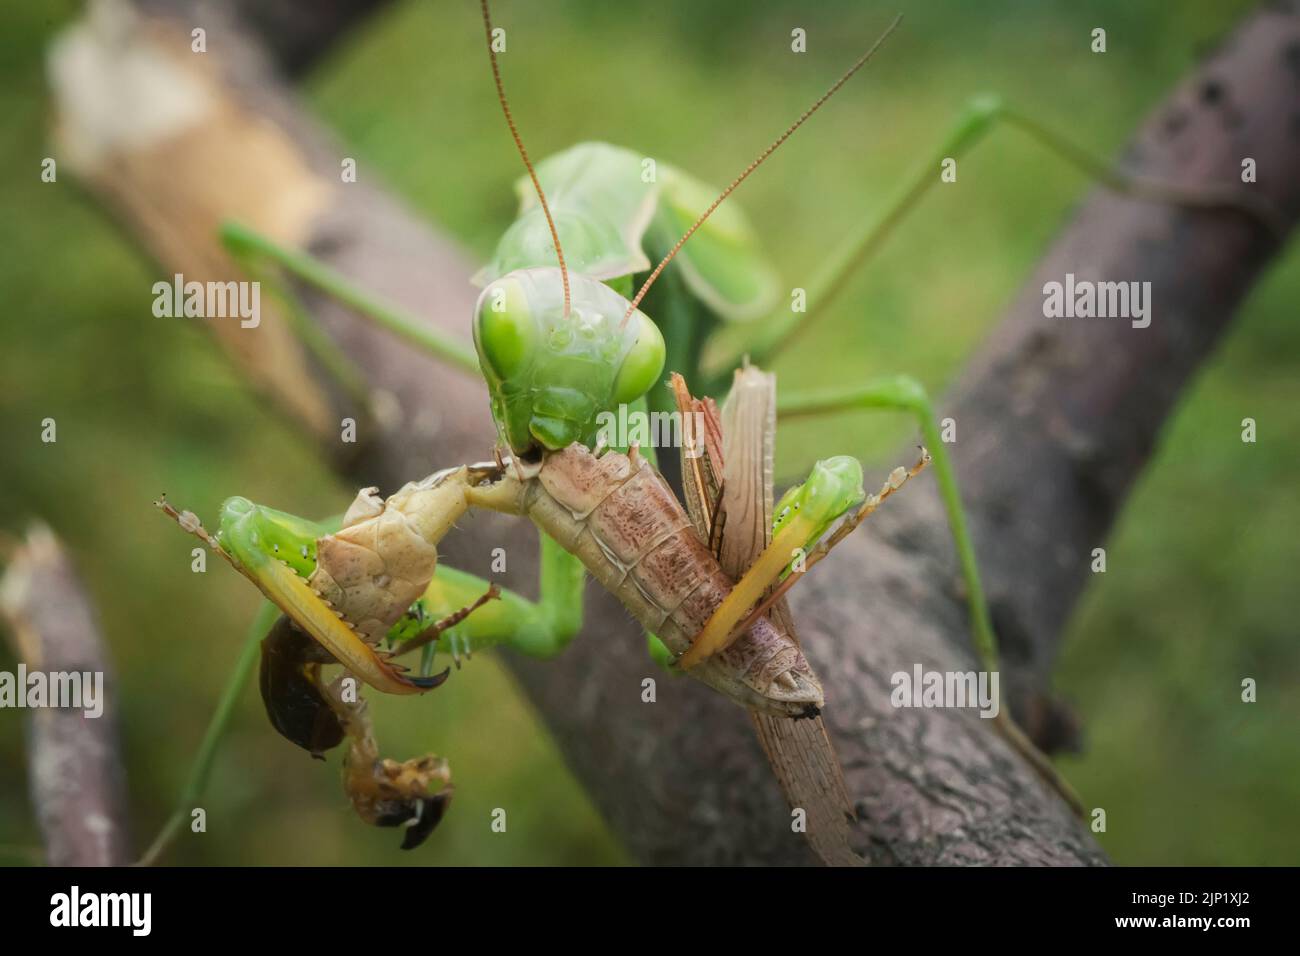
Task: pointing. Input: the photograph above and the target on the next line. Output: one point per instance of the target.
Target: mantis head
(550, 376)
(833, 487)
(558, 348)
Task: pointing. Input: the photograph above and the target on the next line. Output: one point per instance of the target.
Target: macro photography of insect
(734, 433)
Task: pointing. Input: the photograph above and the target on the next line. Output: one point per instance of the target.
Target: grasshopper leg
(318, 716)
(762, 585)
(434, 630)
(413, 793)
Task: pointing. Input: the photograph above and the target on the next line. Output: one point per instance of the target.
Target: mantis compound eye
(644, 362)
(506, 331)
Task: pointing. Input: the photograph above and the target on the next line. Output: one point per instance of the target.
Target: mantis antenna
(514, 132)
(756, 163)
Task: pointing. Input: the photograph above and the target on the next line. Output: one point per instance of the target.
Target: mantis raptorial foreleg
(543, 629)
(473, 615)
(247, 250)
(982, 115)
(457, 612)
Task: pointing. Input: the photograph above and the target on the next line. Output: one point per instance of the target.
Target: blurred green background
(1202, 564)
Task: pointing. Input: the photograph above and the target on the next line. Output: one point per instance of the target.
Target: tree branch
(75, 768)
(1057, 417)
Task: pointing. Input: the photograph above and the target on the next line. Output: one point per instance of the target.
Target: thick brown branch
(1056, 418)
(74, 761)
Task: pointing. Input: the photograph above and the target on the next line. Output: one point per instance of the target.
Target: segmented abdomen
(627, 526)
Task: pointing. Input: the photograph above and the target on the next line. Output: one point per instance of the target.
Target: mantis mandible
(560, 337)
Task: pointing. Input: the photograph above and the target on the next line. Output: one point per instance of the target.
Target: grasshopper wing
(729, 496)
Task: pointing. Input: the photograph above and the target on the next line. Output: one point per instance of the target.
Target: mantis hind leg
(982, 115)
(905, 394)
(255, 252)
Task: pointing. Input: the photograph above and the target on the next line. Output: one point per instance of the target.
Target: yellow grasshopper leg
(803, 516)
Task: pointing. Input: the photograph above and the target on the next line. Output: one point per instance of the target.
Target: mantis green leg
(249, 247)
(541, 628)
(802, 517)
(980, 117)
(246, 249)
(906, 394)
(903, 393)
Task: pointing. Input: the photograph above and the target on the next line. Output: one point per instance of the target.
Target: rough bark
(1057, 418)
(74, 762)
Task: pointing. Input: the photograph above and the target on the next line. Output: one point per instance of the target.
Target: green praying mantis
(560, 338)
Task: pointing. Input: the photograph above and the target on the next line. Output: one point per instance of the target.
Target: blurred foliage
(1196, 593)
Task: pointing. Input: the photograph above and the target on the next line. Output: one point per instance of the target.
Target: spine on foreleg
(621, 519)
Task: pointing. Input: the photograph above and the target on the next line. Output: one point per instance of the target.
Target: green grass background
(1201, 566)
